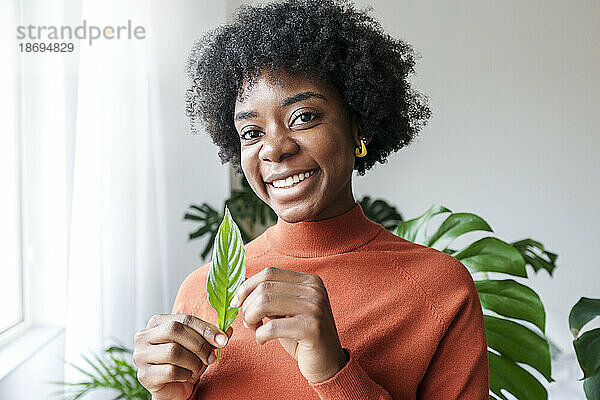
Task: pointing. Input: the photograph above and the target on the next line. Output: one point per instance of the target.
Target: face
(296, 126)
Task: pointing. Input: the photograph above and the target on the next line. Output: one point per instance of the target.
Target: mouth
(290, 181)
(294, 189)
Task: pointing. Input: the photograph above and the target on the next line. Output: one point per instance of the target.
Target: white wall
(194, 172)
(515, 95)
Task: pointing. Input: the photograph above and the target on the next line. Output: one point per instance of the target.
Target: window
(11, 266)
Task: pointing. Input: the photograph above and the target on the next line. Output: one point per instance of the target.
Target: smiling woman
(294, 127)
(298, 95)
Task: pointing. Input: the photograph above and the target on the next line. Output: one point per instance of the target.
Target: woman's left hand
(299, 313)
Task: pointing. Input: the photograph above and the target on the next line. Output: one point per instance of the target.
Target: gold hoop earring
(362, 150)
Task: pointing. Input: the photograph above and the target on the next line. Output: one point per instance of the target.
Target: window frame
(8, 334)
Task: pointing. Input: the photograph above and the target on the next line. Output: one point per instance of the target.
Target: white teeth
(292, 180)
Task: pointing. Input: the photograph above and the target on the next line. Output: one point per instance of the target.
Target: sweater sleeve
(185, 304)
(350, 383)
(459, 367)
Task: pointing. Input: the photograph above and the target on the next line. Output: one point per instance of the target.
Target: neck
(338, 234)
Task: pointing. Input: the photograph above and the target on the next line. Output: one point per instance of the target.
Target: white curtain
(117, 272)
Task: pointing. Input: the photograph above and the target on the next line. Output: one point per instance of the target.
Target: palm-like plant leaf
(209, 220)
(243, 205)
(509, 342)
(112, 371)
(379, 211)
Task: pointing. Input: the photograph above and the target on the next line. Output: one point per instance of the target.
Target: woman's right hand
(173, 352)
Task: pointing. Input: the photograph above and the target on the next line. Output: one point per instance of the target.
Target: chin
(295, 213)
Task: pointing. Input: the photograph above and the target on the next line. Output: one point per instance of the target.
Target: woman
(297, 95)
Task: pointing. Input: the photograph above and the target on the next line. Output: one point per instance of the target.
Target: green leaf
(518, 343)
(455, 225)
(512, 299)
(583, 312)
(492, 255)
(506, 374)
(227, 271)
(530, 248)
(587, 348)
(591, 387)
(415, 229)
(380, 212)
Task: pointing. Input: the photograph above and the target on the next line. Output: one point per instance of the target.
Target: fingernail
(222, 340)
(211, 358)
(234, 302)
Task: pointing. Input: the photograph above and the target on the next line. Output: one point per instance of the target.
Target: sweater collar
(339, 234)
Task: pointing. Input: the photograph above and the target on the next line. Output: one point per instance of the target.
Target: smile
(288, 189)
(292, 180)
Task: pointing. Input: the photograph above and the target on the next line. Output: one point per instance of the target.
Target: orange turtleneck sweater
(408, 315)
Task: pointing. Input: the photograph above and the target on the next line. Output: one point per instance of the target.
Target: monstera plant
(514, 315)
(506, 302)
(587, 344)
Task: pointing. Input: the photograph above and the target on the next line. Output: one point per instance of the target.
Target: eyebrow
(288, 101)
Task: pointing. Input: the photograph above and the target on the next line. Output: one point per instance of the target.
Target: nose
(276, 145)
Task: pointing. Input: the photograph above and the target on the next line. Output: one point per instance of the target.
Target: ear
(357, 132)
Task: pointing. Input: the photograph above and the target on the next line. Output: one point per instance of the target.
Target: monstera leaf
(534, 254)
(587, 345)
(379, 211)
(512, 341)
(227, 272)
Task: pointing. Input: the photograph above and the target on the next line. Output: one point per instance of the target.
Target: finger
(253, 327)
(172, 353)
(207, 330)
(270, 274)
(156, 376)
(229, 331)
(277, 328)
(176, 332)
(287, 288)
(277, 305)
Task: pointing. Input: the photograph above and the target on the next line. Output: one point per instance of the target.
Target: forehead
(273, 86)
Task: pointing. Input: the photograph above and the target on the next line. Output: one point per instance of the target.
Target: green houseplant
(514, 315)
(587, 344)
(112, 370)
(509, 341)
(509, 306)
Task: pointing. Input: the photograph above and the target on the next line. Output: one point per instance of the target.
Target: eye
(243, 135)
(306, 117)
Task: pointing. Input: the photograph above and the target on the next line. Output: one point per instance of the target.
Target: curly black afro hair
(326, 39)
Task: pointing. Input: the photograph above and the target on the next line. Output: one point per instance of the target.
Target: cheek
(337, 153)
(248, 161)
(251, 168)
